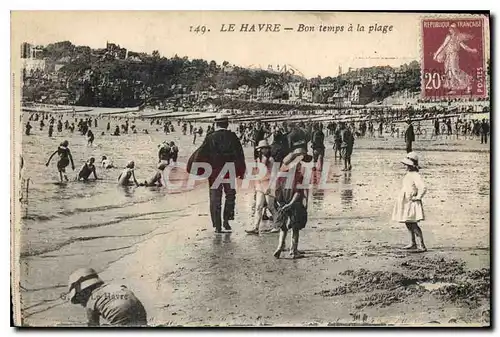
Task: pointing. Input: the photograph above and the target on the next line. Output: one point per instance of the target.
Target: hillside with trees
(115, 77)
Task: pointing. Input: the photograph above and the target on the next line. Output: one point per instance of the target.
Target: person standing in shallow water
(90, 138)
(347, 145)
(408, 208)
(64, 158)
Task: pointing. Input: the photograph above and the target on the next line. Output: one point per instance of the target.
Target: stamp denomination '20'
(453, 63)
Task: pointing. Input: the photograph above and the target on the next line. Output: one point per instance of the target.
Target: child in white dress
(408, 207)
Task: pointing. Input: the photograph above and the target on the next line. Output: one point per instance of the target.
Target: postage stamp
(453, 62)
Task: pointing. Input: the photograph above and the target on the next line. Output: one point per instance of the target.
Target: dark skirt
(297, 214)
(62, 164)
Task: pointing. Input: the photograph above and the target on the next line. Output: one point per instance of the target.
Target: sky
(311, 53)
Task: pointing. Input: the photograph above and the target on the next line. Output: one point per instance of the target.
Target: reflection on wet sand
(222, 238)
(346, 194)
(129, 191)
(318, 198)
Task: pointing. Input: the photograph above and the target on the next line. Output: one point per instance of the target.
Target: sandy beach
(162, 246)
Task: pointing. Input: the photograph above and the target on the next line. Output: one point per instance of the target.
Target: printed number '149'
(432, 81)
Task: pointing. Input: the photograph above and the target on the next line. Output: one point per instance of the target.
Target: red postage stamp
(453, 62)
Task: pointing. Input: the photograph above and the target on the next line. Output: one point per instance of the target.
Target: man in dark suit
(223, 151)
(485, 130)
(409, 137)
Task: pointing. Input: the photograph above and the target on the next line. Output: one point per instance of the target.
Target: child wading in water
(408, 207)
(291, 202)
(64, 158)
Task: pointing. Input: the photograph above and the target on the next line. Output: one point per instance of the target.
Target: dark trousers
(216, 203)
(408, 147)
(484, 138)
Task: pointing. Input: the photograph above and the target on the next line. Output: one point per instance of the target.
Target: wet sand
(163, 247)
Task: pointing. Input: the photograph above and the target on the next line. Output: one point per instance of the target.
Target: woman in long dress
(448, 53)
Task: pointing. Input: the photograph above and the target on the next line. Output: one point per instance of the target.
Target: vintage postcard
(319, 169)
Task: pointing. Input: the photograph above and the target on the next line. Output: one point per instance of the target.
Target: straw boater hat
(411, 160)
(296, 156)
(263, 143)
(220, 117)
(80, 280)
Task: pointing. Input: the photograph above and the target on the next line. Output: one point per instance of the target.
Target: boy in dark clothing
(347, 147)
(318, 145)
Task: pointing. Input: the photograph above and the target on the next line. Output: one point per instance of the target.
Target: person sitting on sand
(318, 145)
(291, 201)
(115, 303)
(127, 173)
(87, 169)
(64, 158)
(106, 162)
(158, 179)
(117, 131)
(408, 208)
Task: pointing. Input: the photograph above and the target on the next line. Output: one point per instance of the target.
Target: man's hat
(80, 280)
